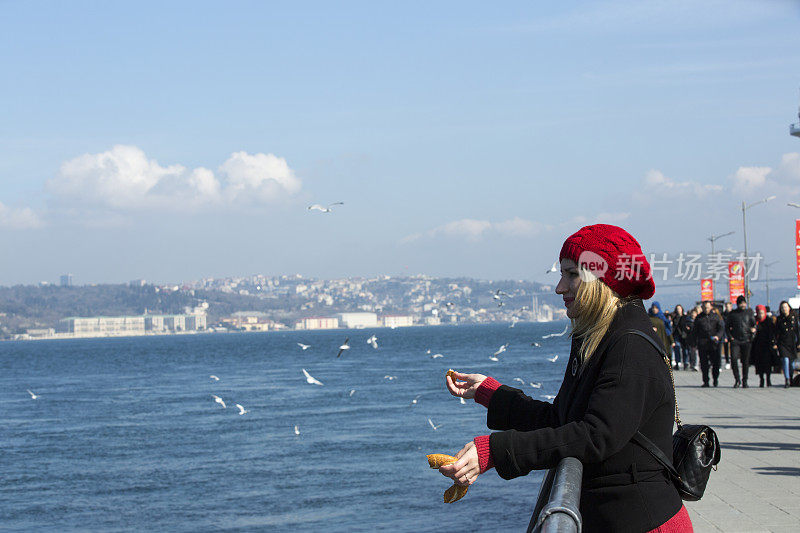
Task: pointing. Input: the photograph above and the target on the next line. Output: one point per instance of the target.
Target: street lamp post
(767, 268)
(713, 239)
(745, 207)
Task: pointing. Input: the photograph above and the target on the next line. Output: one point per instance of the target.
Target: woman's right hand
(465, 385)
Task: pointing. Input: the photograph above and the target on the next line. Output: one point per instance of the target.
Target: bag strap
(663, 354)
(656, 452)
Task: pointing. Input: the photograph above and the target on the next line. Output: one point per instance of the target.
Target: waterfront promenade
(757, 485)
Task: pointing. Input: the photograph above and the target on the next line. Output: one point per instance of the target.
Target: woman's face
(678, 310)
(568, 286)
(785, 309)
(761, 314)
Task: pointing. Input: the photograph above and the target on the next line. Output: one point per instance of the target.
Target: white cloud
(474, 230)
(265, 176)
(748, 179)
(125, 178)
(19, 218)
(657, 183)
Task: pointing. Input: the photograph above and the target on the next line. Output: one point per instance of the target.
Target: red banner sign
(797, 248)
(707, 289)
(735, 280)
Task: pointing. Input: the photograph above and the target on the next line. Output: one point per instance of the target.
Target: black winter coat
(624, 387)
(762, 353)
(707, 326)
(787, 336)
(739, 324)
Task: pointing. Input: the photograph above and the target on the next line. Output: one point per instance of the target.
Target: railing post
(557, 508)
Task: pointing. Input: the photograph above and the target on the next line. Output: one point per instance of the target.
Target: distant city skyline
(185, 141)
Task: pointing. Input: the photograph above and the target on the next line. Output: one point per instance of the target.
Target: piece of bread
(451, 373)
(455, 493)
(435, 460)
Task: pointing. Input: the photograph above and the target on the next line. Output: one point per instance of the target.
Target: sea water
(126, 436)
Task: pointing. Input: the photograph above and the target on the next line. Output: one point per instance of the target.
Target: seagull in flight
(323, 208)
(535, 384)
(557, 334)
(242, 410)
(436, 356)
(501, 349)
(548, 396)
(304, 346)
(352, 391)
(434, 426)
(513, 323)
(296, 430)
(520, 380)
(416, 399)
(390, 378)
(535, 344)
(219, 401)
(215, 378)
(553, 268)
(344, 347)
(311, 380)
(462, 401)
(33, 396)
(553, 359)
(373, 341)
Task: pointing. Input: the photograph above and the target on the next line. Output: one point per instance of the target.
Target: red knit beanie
(614, 256)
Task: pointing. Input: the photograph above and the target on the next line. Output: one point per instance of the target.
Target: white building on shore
(358, 320)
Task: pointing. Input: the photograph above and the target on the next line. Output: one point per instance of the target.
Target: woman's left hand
(466, 469)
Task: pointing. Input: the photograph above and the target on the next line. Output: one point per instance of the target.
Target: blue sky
(173, 142)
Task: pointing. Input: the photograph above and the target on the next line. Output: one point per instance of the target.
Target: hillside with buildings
(261, 303)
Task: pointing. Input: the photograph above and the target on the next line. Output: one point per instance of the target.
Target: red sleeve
(484, 453)
(484, 392)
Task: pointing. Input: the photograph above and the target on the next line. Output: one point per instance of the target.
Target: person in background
(662, 327)
(708, 331)
(764, 346)
(726, 344)
(679, 334)
(691, 341)
(740, 326)
(787, 336)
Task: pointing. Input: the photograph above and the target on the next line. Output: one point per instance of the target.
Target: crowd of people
(707, 334)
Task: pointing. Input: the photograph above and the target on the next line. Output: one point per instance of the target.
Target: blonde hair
(597, 307)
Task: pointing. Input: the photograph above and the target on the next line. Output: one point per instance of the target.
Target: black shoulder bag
(695, 448)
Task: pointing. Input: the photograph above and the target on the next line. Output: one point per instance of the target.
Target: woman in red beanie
(616, 383)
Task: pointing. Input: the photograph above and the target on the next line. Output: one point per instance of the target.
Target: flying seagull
(501, 349)
(352, 391)
(322, 208)
(535, 384)
(556, 334)
(242, 410)
(390, 378)
(535, 344)
(416, 399)
(373, 341)
(434, 426)
(296, 430)
(344, 347)
(215, 378)
(304, 346)
(219, 401)
(462, 401)
(548, 396)
(33, 396)
(553, 268)
(310, 379)
(520, 380)
(436, 356)
(553, 359)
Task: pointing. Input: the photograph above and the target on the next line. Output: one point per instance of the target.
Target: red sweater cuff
(484, 392)
(484, 453)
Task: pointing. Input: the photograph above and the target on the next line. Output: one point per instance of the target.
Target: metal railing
(559, 500)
